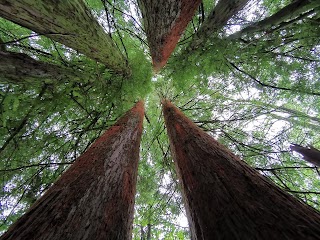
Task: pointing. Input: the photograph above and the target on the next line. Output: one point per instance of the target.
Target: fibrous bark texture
(164, 22)
(310, 154)
(218, 18)
(227, 199)
(68, 22)
(20, 68)
(94, 198)
(289, 12)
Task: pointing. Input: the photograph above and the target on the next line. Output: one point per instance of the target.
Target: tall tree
(310, 154)
(164, 22)
(256, 94)
(224, 197)
(217, 19)
(287, 15)
(20, 68)
(94, 198)
(70, 23)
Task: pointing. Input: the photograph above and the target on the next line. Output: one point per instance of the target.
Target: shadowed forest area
(244, 71)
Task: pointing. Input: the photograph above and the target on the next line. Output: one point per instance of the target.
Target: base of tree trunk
(94, 198)
(227, 199)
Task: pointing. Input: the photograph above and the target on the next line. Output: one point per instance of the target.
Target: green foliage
(64, 119)
(139, 83)
(256, 94)
(158, 201)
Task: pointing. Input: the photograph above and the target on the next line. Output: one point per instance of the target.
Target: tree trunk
(164, 22)
(217, 19)
(142, 233)
(94, 198)
(149, 231)
(227, 199)
(20, 68)
(310, 154)
(68, 22)
(288, 12)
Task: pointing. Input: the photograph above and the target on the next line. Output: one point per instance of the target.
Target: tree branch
(34, 165)
(269, 85)
(24, 120)
(288, 11)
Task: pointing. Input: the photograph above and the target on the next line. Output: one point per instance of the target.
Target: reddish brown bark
(227, 199)
(94, 198)
(164, 22)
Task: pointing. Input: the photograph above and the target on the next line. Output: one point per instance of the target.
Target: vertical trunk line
(227, 199)
(94, 198)
(70, 23)
(164, 22)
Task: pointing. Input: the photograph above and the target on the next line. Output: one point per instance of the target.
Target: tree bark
(94, 198)
(217, 19)
(149, 231)
(310, 154)
(20, 68)
(68, 22)
(164, 22)
(288, 12)
(227, 199)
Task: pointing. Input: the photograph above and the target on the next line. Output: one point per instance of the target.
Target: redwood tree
(227, 199)
(164, 22)
(70, 23)
(287, 15)
(94, 198)
(217, 18)
(257, 79)
(20, 68)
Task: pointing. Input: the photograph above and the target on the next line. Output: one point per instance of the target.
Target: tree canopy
(247, 72)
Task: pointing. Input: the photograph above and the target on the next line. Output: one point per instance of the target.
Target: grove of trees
(246, 72)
